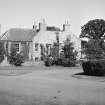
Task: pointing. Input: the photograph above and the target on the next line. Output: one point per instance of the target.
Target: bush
(87, 68)
(15, 58)
(49, 61)
(66, 62)
(58, 62)
(94, 67)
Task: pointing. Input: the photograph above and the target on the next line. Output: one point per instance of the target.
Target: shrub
(15, 58)
(94, 67)
(49, 61)
(67, 62)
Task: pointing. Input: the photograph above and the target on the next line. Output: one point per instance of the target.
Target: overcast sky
(22, 13)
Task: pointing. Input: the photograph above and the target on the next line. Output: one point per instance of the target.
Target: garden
(93, 62)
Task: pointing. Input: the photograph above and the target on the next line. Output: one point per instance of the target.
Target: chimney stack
(35, 26)
(42, 25)
(66, 26)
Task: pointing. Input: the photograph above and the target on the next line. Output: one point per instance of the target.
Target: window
(16, 45)
(36, 46)
(6, 46)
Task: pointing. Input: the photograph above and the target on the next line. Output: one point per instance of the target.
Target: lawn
(40, 85)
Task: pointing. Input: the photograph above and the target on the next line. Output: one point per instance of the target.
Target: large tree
(94, 29)
(94, 49)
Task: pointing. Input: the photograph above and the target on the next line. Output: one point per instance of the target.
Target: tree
(68, 48)
(69, 54)
(2, 51)
(94, 29)
(94, 49)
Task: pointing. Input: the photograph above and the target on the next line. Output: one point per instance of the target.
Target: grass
(20, 70)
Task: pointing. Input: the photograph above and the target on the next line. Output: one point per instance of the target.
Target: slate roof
(18, 34)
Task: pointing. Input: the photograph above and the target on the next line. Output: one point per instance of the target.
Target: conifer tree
(69, 53)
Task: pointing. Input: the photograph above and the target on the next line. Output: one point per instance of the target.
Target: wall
(23, 48)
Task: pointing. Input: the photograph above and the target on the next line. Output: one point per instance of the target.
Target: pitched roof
(18, 34)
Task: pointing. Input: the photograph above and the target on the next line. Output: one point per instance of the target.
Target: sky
(23, 13)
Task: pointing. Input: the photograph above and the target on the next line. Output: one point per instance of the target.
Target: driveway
(50, 86)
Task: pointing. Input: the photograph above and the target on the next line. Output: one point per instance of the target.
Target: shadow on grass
(82, 75)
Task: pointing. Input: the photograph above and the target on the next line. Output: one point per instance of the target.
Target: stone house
(36, 42)
(47, 36)
(20, 39)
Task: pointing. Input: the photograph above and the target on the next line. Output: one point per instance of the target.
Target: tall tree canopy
(94, 29)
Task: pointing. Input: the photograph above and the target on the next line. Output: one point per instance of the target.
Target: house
(20, 39)
(37, 42)
(46, 36)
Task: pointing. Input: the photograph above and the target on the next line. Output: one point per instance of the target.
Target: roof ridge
(19, 34)
(21, 28)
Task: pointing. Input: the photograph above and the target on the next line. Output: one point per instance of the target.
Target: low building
(20, 39)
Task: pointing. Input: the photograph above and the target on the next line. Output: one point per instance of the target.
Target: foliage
(49, 61)
(55, 51)
(94, 29)
(94, 49)
(53, 56)
(69, 58)
(2, 51)
(96, 67)
(15, 58)
(66, 58)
